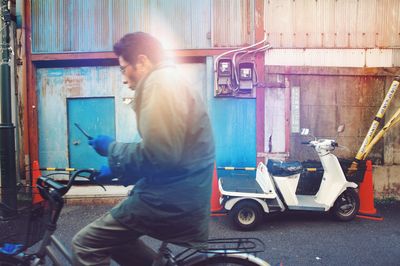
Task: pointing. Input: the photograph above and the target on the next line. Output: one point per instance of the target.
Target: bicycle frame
(50, 245)
(53, 192)
(240, 249)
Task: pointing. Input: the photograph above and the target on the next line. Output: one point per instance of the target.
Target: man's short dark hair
(134, 44)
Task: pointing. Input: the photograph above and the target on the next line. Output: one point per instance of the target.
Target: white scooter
(274, 189)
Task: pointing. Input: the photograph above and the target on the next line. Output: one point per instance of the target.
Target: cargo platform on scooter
(241, 185)
(275, 189)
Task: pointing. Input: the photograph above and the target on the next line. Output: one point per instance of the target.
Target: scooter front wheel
(346, 205)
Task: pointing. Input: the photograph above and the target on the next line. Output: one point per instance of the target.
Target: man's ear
(142, 59)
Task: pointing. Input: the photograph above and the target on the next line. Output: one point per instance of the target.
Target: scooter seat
(280, 168)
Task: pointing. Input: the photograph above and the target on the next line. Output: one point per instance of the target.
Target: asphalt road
(292, 238)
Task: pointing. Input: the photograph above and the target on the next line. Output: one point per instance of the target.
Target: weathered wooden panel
(317, 57)
(333, 57)
(333, 23)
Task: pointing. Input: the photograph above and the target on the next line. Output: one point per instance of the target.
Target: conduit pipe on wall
(7, 134)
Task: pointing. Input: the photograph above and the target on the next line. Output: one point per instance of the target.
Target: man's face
(131, 74)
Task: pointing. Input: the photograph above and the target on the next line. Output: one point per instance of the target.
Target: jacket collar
(140, 86)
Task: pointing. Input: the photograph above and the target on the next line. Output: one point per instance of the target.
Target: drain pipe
(7, 134)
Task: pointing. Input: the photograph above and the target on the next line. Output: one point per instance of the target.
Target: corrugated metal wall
(233, 22)
(235, 131)
(95, 25)
(234, 120)
(55, 85)
(333, 23)
(64, 26)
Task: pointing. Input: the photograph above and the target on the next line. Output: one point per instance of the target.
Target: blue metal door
(97, 117)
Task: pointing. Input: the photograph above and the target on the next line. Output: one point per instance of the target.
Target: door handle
(76, 142)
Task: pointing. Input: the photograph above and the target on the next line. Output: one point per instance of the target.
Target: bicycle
(228, 251)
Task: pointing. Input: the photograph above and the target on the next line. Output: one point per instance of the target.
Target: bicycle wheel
(241, 259)
(10, 261)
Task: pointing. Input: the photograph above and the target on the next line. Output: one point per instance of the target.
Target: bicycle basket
(25, 225)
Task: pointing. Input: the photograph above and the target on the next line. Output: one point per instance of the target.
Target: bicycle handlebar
(47, 182)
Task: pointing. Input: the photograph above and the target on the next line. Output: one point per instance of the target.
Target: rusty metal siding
(183, 24)
(57, 18)
(234, 124)
(179, 24)
(56, 85)
(90, 27)
(201, 24)
(74, 25)
(333, 23)
(128, 15)
(94, 25)
(233, 23)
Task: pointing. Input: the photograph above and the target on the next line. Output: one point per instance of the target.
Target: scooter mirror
(305, 131)
(340, 129)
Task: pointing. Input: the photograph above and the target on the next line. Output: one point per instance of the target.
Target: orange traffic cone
(35, 175)
(366, 193)
(215, 196)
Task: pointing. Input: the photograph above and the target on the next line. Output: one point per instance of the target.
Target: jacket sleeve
(162, 124)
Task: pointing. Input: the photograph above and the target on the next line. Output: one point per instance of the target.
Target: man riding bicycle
(171, 166)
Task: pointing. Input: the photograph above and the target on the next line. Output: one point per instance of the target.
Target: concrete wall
(386, 181)
(350, 96)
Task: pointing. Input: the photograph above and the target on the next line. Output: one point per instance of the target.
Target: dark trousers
(106, 239)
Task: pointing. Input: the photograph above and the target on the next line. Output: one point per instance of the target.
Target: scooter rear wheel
(346, 205)
(246, 215)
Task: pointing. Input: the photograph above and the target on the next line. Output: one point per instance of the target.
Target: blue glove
(10, 249)
(100, 144)
(105, 175)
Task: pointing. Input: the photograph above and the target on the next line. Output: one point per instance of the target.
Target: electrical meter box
(226, 82)
(246, 77)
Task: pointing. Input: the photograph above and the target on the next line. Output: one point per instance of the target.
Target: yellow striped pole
(393, 121)
(374, 126)
(58, 169)
(231, 168)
